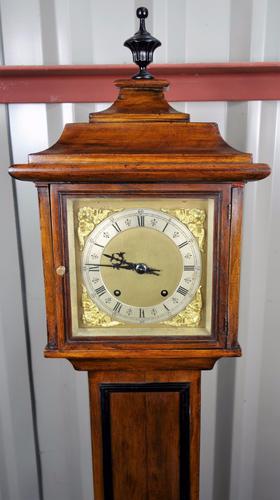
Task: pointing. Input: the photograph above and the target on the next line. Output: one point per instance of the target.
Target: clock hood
(140, 137)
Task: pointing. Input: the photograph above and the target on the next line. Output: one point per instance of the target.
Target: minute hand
(129, 266)
(114, 266)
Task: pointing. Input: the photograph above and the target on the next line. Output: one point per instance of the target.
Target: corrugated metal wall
(44, 421)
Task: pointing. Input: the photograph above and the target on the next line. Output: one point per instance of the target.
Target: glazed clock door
(142, 264)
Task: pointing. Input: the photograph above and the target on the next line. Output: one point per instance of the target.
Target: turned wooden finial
(142, 45)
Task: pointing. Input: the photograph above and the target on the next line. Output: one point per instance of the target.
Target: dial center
(145, 248)
(141, 268)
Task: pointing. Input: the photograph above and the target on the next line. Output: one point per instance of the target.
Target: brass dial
(141, 266)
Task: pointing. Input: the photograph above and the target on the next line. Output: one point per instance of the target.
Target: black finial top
(142, 46)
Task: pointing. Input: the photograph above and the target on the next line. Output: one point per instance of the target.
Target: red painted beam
(188, 82)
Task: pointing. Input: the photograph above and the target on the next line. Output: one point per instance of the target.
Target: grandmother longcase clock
(140, 215)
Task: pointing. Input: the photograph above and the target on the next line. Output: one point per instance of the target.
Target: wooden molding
(188, 82)
(169, 172)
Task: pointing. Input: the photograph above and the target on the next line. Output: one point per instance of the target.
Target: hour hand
(117, 259)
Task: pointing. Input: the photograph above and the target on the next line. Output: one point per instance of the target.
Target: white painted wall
(44, 421)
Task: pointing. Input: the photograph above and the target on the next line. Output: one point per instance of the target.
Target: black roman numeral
(141, 220)
(116, 227)
(117, 307)
(97, 244)
(182, 290)
(100, 291)
(188, 268)
(141, 313)
(93, 267)
(166, 307)
(165, 226)
(183, 244)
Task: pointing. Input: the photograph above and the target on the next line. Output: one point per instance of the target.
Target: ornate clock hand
(120, 256)
(129, 266)
(125, 264)
(114, 266)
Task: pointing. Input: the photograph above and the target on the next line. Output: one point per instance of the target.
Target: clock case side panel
(234, 266)
(70, 347)
(48, 264)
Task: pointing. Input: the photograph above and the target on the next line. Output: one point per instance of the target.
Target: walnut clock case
(141, 215)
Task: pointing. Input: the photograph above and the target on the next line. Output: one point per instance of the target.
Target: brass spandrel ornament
(88, 219)
(92, 316)
(191, 316)
(194, 219)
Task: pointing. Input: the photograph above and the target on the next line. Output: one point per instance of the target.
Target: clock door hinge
(229, 207)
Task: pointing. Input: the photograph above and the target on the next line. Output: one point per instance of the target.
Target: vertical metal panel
(18, 470)
(18, 446)
(268, 412)
(21, 32)
(253, 466)
(63, 32)
(236, 394)
(208, 40)
(207, 28)
(253, 291)
(240, 30)
(49, 39)
(258, 30)
(108, 38)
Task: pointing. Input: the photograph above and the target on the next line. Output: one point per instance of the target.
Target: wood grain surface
(146, 431)
(140, 138)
